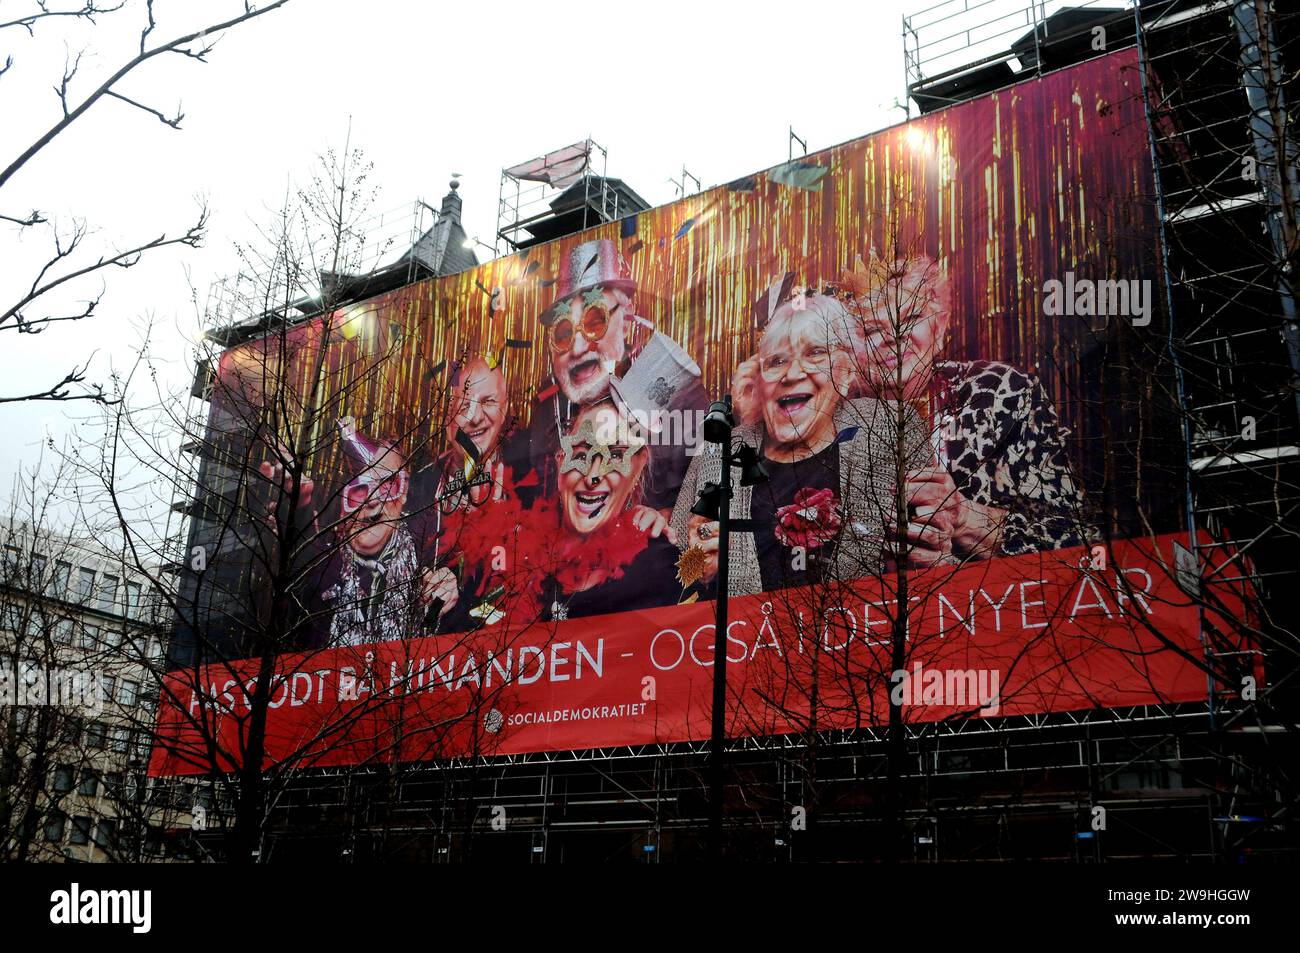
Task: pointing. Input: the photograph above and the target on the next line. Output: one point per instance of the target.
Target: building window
(38, 582)
(80, 831)
(13, 560)
(26, 827)
(109, 686)
(96, 733)
(85, 585)
(133, 606)
(89, 784)
(112, 639)
(89, 637)
(106, 593)
(61, 578)
(121, 740)
(35, 623)
(105, 834)
(70, 731)
(63, 630)
(129, 694)
(113, 784)
(132, 643)
(54, 825)
(63, 776)
(156, 605)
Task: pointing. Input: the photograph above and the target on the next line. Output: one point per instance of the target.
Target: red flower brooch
(812, 520)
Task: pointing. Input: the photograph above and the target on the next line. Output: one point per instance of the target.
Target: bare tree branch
(174, 122)
(35, 218)
(144, 34)
(61, 392)
(69, 72)
(87, 11)
(13, 317)
(47, 279)
(178, 45)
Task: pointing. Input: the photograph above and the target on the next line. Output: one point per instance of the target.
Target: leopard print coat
(1002, 443)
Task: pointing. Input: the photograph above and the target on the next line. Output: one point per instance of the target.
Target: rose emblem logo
(661, 392)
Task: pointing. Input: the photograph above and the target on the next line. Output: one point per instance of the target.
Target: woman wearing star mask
(603, 559)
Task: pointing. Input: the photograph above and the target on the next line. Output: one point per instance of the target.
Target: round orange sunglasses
(592, 326)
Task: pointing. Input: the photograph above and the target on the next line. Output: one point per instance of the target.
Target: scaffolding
(531, 211)
(1226, 176)
(1011, 788)
(1226, 182)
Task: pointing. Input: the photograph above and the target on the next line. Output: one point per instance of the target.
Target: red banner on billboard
(1068, 630)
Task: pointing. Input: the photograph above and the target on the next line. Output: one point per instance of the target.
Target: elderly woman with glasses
(997, 480)
(830, 460)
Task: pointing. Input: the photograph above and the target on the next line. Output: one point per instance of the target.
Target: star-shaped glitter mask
(586, 435)
(561, 309)
(593, 297)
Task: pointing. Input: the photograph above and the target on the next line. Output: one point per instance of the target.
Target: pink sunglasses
(367, 489)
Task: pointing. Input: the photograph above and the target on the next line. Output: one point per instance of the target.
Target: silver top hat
(589, 265)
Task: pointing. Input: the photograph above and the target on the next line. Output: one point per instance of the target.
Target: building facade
(81, 650)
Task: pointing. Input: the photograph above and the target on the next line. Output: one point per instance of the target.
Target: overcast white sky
(429, 89)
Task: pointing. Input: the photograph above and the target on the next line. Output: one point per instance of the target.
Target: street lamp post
(715, 503)
(717, 741)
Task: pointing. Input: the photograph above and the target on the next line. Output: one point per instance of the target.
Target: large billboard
(932, 337)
